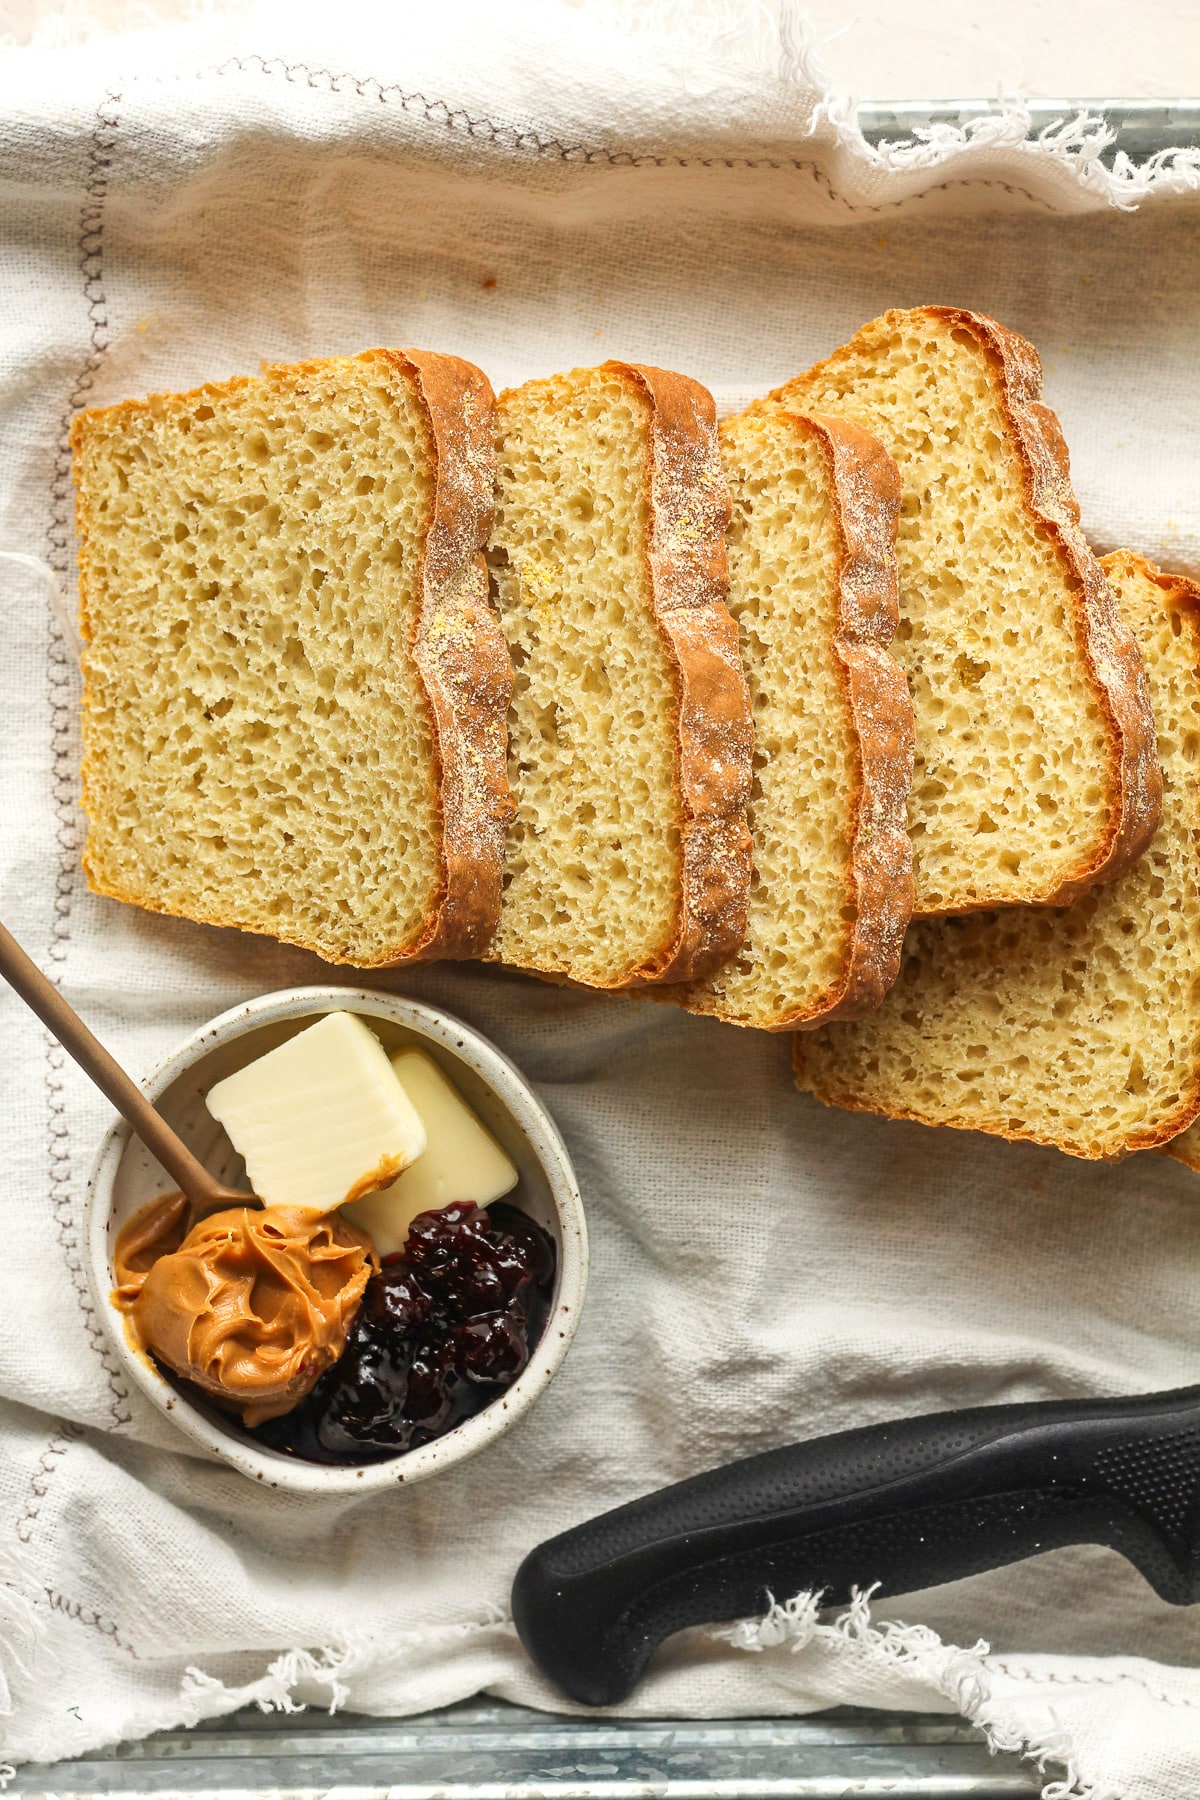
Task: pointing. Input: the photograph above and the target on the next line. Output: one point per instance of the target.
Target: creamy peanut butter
(253, 1305)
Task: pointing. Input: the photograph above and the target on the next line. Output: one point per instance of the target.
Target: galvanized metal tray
(494, 1751)
(1140, 128)
(498, 1752)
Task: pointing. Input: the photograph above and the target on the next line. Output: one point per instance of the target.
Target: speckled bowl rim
(531, 1117)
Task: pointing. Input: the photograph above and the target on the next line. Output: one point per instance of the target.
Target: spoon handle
(43, 998)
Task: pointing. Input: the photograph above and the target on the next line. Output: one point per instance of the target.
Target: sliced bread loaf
(1186, 1148)
(628, 858)
(812, 586)
(1077, 1027)
(294, 685)
(1035, 769)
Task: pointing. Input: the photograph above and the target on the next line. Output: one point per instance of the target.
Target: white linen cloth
(536, 186)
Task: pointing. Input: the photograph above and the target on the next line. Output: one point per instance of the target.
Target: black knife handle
(905, 1505)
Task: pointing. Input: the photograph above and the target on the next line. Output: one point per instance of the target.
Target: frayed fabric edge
(323, 1676)
(319, 1675)
(24, 1641)
(1076, 144)
(26, 1654)
(740, 48)
(275, 1690)
(292, 1681)
(959, 1676)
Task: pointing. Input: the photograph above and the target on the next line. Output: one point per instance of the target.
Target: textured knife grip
(905, 1505)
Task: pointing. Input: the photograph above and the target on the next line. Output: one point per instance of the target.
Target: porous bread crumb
(1034, 745)
(627, 859)
(813, 589)
(259, 744)
(1077, 1027)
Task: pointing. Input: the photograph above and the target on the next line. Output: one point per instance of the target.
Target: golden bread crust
(1175, 1139)
(1107, 649)
(1166, 1136)
(1109, 646)
(688, 513)
(879, 876)
(461, 657)
(877, 880)
(458, 649)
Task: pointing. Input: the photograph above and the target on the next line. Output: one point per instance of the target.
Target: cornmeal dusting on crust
(813, 590)
(628, 858)
(1079, 1026)
(1035, 766)
(689, 515)
(462, 657)
(294, 686)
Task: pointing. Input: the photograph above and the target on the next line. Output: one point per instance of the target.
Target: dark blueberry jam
(445, 1326)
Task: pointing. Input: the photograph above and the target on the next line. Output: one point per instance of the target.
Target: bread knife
(896, 1506)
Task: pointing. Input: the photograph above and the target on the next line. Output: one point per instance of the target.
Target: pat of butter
(320, 1120)
(462, 1160)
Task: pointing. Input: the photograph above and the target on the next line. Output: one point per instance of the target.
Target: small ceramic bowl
(126, 1178)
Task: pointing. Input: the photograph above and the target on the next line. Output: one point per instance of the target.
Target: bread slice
(1035, 769)
(628, 859)
(1077, 1027)
(294, 685)
(812, 586)
(1185, 1148)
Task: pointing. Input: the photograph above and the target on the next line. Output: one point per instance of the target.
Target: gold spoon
(205, 1193)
